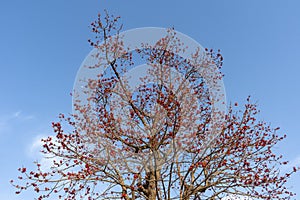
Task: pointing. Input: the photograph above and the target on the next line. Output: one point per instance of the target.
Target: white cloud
(17, 114)
(36, 146)
(7, 121)
(3, 126)
(34, 151)
(21, 116)
(293, 163)
(235, 197)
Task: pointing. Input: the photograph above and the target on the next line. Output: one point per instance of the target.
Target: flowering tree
(165, 139)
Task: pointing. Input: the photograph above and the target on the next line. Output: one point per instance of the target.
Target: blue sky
(42, 44)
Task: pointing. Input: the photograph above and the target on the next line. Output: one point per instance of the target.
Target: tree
(165, 139)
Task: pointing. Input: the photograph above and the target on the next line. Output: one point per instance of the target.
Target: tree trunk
(151, 185)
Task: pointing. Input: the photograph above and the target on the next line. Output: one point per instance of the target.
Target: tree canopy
(165, 139)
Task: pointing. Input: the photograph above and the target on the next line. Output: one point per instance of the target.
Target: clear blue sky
(42, 44)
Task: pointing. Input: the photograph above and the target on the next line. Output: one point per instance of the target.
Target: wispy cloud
(36, 146)
(236, 197)
(17, 114)
(293, 163)
(22, 116)
(7, 121)
(34, 151)
(3, 126)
